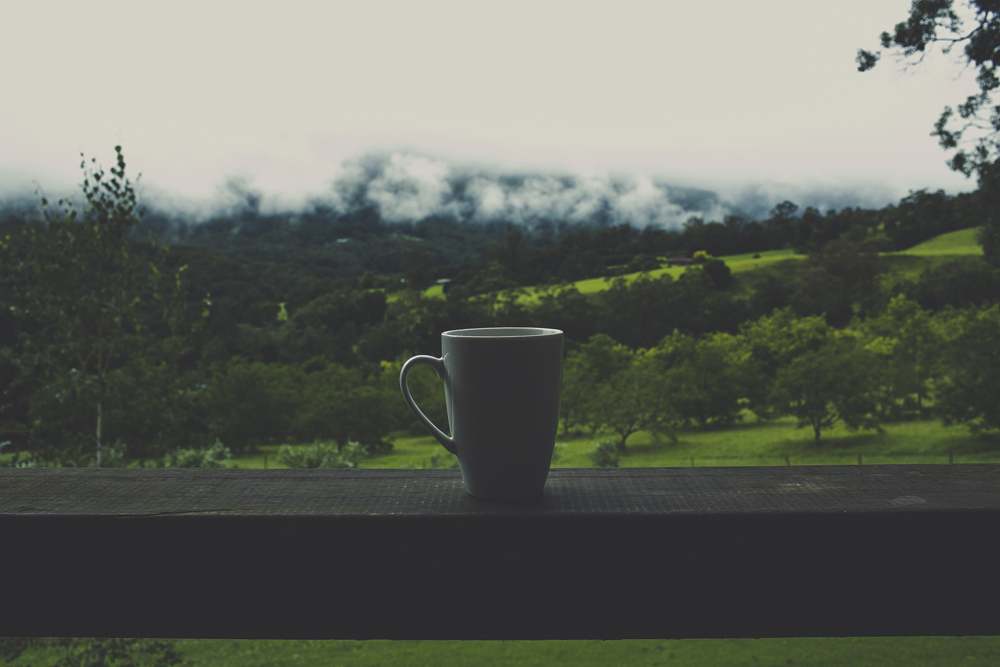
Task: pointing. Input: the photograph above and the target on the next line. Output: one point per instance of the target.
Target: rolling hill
(961, 242)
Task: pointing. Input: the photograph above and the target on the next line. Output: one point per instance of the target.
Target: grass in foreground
(814, 652)
(800, 651)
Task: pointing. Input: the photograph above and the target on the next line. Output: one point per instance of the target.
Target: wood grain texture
(641, 552)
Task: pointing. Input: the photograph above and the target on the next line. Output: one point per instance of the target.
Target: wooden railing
(608, 554)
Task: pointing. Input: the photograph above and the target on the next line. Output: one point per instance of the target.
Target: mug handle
(438, 366)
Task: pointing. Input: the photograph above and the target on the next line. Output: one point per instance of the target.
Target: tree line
(534, 257)
(319, 249)
(905, 363)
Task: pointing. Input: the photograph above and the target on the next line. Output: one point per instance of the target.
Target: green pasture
(907, 265)
(434, 292)
(962, 242)
(736, 263)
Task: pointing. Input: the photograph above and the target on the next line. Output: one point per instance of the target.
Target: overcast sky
(286, 94)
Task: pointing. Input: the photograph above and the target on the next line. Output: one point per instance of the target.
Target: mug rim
(521, 332)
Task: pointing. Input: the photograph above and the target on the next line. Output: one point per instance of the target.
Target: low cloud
(408, 186)
(405, 187)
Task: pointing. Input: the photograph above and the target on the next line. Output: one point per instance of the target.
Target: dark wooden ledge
(605, 554)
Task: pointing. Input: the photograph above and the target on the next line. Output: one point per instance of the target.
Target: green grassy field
(906, 264)
(736, 263)
(811, 652)
(434, 292)
(962, 242)
(943, 247)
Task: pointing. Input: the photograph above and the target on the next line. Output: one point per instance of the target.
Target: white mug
(502, 389)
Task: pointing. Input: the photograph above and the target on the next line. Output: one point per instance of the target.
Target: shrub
(113, 455)
(213, 457)
(605, 454)
(17, 460)
(718, 272)
(322, 455)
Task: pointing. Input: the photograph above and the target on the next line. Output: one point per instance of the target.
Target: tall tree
(633, 399)
(905, 349)
(969, 390)
(89, 294)
(584, 371)
(770, 344)
(703, 378)
(828, 383)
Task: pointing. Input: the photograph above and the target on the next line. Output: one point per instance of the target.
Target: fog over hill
(408, 186)
(405, 186)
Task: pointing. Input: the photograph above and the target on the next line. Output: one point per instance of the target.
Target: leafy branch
(972, 128)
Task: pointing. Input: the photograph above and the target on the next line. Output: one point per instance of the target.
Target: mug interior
(501, 332)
